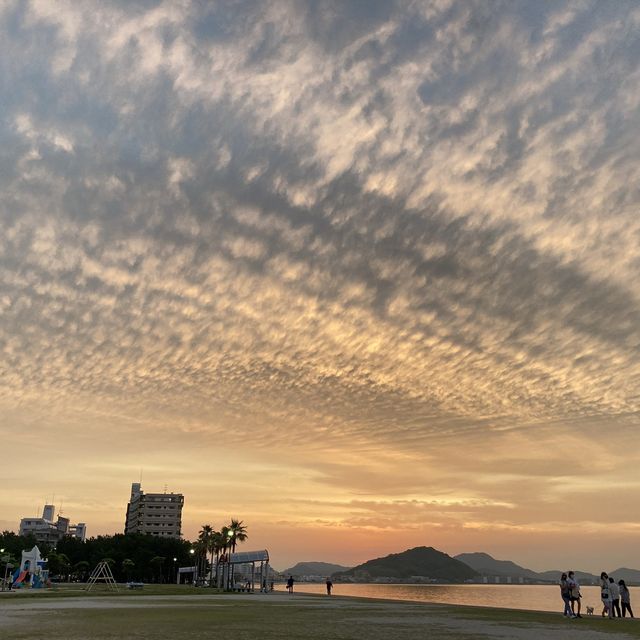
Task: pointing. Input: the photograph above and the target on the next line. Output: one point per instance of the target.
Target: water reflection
(529, 597)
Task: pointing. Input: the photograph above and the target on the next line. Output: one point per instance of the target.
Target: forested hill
(420, 562)
(314, 569)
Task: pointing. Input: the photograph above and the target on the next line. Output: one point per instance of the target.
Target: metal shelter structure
(187, 574)
(241, 571)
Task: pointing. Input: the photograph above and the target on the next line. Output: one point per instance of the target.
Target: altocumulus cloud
(360, 226)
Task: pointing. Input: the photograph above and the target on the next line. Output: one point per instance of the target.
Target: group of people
(613, 596)
(571, 596)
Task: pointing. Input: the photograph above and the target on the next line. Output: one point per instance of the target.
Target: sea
(527, 597)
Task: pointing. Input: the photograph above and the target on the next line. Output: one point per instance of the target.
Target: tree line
(137, 557)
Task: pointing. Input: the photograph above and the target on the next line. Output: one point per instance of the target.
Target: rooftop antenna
(165, 488)
(140, 476)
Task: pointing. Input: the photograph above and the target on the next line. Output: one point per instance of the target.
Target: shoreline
(541, 598)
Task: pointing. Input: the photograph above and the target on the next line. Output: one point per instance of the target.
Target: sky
(363, 274)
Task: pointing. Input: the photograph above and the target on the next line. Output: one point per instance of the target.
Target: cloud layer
(390, 248)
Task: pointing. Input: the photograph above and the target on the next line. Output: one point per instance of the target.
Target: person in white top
(574, 594)
(604, 594)
(614, 594)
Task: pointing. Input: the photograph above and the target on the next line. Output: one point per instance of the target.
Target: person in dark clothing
(329, 586)
(625, 598)
(290, 582)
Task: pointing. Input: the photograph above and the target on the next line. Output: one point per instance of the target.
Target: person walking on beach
(566, 598)
(329, 586)
(290, 582)
(614, 594)
(605, 595)
(625, 598)
(574, 594)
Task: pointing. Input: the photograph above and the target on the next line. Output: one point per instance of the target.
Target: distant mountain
(485, 565)
(583, 577)
(488, 566)
(630, 576)
(314, 569)
(418, 563)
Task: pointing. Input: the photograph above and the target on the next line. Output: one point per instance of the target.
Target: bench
(135, 585)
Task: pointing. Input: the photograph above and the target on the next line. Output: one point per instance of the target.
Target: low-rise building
(158, 514)
(45, 529)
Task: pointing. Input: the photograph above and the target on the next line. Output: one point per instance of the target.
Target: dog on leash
(589, 611)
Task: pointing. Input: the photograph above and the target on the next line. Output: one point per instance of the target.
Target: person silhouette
(625, 598)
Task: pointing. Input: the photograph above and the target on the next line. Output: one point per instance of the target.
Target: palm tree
(217, 546)
(225, 545)
(205, 533)
(204, 545)
(238, 533)
(201, 548)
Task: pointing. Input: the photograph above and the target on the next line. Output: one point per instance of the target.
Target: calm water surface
(531, 597)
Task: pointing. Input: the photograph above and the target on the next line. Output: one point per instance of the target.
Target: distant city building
(45, 529)
(159, 514)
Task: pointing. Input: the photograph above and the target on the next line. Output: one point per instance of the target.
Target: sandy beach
(281, 616)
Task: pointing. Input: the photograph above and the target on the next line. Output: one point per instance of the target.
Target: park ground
(185, 613)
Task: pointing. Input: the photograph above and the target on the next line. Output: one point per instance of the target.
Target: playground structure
(102, 574)
(32, 572)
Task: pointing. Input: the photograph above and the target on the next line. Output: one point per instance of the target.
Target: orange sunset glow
(363, 275)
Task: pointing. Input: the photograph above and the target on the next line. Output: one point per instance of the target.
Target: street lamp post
(195, 576)
(5, 559)
(175, 575)
(230, 534)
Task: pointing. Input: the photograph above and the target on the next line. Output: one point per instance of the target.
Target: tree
(156, 565)
(59, 564)
(200, 547)
(205, 538)
(218, 543)
(138, 547)
(238, 533)
(81, 570)
(127, 568)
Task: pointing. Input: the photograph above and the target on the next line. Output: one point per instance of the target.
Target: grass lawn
(78, 590)
(278, 616)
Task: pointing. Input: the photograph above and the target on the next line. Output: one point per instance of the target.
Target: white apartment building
(158, 514)
(45, 529)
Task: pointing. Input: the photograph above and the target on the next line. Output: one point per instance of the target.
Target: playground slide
(20, 578)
